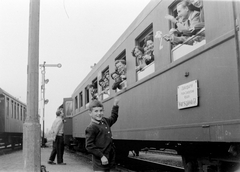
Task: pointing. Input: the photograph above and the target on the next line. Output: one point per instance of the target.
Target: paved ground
(14, 162)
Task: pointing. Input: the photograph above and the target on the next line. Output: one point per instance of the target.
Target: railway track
(167, 157)
(142, 163)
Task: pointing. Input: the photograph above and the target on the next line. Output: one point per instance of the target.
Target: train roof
(144, 13)
(9, 95)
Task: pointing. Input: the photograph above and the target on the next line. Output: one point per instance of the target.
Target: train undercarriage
(196, 156)
(11, 139)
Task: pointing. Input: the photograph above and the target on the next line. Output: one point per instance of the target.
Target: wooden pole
(31, 127)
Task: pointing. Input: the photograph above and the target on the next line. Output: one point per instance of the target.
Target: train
(12, 117)
(187, 99)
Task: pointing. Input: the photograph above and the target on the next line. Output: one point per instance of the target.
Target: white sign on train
(187, 95)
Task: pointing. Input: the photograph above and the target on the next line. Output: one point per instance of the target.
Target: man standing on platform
(58, 139)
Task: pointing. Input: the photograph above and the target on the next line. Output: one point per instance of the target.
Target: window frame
(104, 92)
(87, 96)
(121, 56)
(80, 99)
(76, 102)
(8, 106)
(173, 11)
(12, 108)
(139, 41)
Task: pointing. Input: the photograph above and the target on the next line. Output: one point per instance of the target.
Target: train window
(24, 114)
(76, 102)
(120, 74)
(17, 115)
(93, 89)
(12, 108)
(186, 34)
(21, 113)
(15, 110)
(80, 99)
(87, 96)
(68, 108)
(7, 106)
(104, 84)
(143, 52)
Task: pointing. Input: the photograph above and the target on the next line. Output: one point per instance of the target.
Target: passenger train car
(12, 116)
(186, 99)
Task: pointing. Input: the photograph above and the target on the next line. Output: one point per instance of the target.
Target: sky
(74, 33)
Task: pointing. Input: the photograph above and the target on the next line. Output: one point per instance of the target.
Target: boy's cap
(95, 103)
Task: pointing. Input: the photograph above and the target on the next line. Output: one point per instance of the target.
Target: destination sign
(187, 95)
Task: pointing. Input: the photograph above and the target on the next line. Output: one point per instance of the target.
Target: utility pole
(31, 126)
(45, 101)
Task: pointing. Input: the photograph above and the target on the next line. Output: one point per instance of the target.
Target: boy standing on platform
(99, 136)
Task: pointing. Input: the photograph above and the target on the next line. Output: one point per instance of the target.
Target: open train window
(143, 52)
(12, 108)
(93, 89)
(87, 99)
(21, 113)
(76, 102)
(119, 76)
(104, 84)
(80, 100)
(24, 113)
(186, 33)
(8, 106)
(15, 110)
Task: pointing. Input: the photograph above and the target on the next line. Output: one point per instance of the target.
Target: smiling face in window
(148, 47)
(138, 53)
(182, 11)
(120, 65)
(197, 3)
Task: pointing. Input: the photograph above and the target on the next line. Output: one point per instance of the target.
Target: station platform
(14, 162)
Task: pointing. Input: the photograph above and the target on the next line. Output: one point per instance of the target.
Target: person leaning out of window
(138, 52)
(148, 49)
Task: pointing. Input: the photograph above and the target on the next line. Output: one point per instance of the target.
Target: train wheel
(121, 155)
(190, 165)
(13, 143)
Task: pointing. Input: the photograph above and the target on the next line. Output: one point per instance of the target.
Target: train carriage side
(190, 103)
(12, 112)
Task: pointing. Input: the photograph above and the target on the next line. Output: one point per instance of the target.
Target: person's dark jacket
(99, 140)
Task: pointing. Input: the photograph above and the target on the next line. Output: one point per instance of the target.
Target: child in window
(138, 52)
(101, 83)
(93, 92)
(106, 79)
(148, 49)
(121, 68)
(117, 80)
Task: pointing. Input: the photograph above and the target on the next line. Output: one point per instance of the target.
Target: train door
(68, 111)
